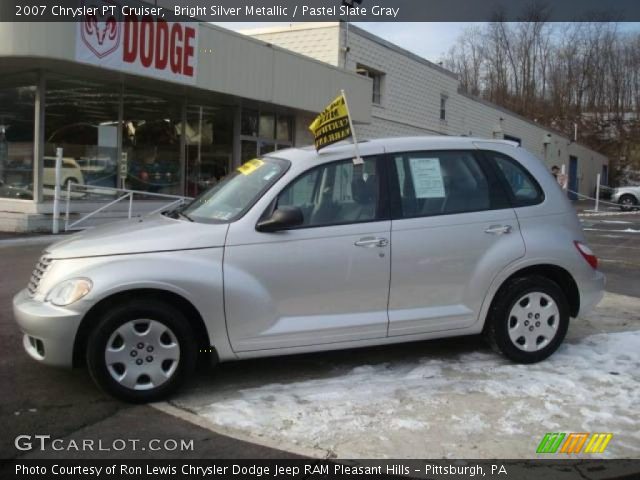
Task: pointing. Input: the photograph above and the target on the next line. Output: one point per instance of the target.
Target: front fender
(195, 275)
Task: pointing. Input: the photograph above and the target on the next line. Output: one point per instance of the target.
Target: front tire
(528, 319)
(141, 351)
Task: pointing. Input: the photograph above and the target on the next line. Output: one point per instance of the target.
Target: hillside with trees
(573, 77)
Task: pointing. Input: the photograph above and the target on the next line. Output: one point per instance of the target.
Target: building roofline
(402, 51)
(290, 28)
(392, 46)
(352, 28)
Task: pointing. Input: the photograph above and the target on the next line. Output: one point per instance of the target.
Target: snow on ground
(462, 403)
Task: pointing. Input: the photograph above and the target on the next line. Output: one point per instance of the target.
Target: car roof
(303, 156)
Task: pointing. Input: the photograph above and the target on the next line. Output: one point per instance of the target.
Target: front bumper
(591, 292)
(49, 331)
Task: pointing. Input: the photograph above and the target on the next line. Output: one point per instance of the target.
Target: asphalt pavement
(616, 242)
(37, 400)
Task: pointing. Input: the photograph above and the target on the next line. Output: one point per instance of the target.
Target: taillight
(587, 254)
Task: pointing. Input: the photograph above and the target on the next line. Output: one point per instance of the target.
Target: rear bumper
(49, 331)
(591, 292)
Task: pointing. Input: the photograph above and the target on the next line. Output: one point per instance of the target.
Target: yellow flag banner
(332, 125)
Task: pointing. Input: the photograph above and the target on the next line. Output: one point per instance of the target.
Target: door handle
(371, 242)
(499, 229)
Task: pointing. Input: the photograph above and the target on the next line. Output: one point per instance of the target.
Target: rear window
(524, 190)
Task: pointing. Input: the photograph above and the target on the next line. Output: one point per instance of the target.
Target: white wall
(320, 42)
(411, 91)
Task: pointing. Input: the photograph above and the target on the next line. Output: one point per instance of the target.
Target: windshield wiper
(177, 212)
(182, 214)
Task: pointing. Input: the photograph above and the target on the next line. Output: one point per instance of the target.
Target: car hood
(154, 233)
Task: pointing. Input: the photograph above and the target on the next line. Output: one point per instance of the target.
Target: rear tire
(528, 319)
(141, 351)
(628, 202)
(69, 180)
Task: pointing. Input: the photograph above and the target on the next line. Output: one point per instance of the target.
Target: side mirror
(281, 219)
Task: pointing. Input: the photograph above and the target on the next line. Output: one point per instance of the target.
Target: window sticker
(251, 166)
(427, 177)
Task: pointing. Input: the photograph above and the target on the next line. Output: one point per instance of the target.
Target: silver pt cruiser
(299, 252)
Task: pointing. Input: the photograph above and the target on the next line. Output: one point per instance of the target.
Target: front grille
(41, 268)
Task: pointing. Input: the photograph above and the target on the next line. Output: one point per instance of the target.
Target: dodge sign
(145, 45)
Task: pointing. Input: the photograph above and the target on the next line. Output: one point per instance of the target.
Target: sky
(429, 40)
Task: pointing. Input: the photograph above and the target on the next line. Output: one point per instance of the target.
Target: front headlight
(69, 291)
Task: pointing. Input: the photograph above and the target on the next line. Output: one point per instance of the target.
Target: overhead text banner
(328, 10)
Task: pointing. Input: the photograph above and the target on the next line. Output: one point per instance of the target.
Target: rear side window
(523, 188)
(443, 183)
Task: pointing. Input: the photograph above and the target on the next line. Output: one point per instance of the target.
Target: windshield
(237, 192)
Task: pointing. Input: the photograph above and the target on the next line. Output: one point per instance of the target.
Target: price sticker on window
(251, 166)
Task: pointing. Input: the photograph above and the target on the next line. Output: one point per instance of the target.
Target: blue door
(573, 177)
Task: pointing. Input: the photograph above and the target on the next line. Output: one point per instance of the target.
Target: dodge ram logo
(101, 33)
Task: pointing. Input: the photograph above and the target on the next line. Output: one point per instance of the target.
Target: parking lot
(448, 398)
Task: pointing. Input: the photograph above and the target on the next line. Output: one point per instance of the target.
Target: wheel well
(634, 197)
(190, 312)
(558, 275)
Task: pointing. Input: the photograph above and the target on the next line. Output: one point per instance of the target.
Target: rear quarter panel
(548, 229)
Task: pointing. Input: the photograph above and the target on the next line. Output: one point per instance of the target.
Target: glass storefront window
(267, 125)
(284, 128)
(209, 146)
(267, 147)
(248, 150)
(151, 142)
(274, 132)
(17, 114)
(249, 123)
(81, 117)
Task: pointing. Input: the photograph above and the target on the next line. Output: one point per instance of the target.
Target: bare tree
(559, 74)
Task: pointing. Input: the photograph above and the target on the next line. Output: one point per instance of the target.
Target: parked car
(302, 252)
(627, 197)
(16, 191)
(100, 171)
(70, 171)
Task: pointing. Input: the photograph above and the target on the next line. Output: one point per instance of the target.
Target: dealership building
(170, 108)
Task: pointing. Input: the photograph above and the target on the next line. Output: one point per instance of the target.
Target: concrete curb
(201, 422)
(607, 214)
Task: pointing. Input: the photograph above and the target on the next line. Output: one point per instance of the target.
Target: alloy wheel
(142, 354)
(533, 321)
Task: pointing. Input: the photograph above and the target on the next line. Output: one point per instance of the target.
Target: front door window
(336, 194)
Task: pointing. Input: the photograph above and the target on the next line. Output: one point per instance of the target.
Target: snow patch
(389, 409)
